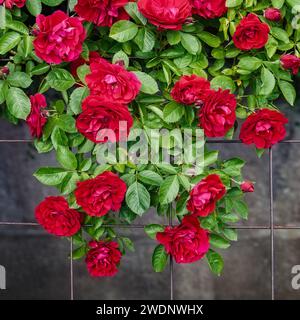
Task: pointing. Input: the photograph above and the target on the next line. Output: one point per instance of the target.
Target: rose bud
(247, 186)
(289, 61)
(272, 14)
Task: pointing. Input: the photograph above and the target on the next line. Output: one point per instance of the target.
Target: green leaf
(79, 252)
(218, 242)
(152, 229)
(123, 31)
(18, 103)
(241, 208)
(76, 99)
(230, 234)
(215, 262)
(150, 177)
(288, 91)
(249, 63)
(3, 90)
(169, 190)
(173, 37)
(8, 41)
(210, 39)
(233, 3)
(40, 69)
(278, 3)
(233, 167)
(19, 79)
(52, 3)
(138, 198)
(268, 82)
(132, 9)
(145, 39)
(149, 85)
(159, 258)
(67, 123)
(34, 7)
(50, 176)
(82, 71)
(121, 56)
(173, 112)
(17, 26)
(60, 79)
(66, 158)
(223, 82)
(280, 34)
(190, 43)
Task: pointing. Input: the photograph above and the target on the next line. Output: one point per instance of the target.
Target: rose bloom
(103, 258)
(247, 186)
(99, 195)
(251, 33)
(102, 12)
(264, 128)
(93, 57)
(217, 114)
(103, 121)
(166, 14)
(205, 194)
(190, 90)
(187, 242)
(59, 37)
(112, 82)
(37, 117)
(10, 3)
(209, 9)
(289, 61)
(272, 14)
(55, 215)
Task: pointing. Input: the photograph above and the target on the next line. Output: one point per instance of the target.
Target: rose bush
(214, 67)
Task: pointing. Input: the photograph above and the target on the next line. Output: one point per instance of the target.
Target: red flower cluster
(102, 12)
(103, 258)
(59, 37)
(251, 33)
(264, 128)
(205, 194)
(272, 14)
(112, 82)
(10, 3)
(55, 215)
(166, 14)
(187, 242)
(209, 9)
(37, 117)
(289, 61)
(100, 195)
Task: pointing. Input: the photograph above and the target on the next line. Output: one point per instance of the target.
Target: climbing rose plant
(72, 69)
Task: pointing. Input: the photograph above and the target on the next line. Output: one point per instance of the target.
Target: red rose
(251, 33)
(263, 128)
(103, 121)
(112, 82)
(93, 57)
(55, 215)
(217, 114)
(289, 61)
(272, 14)
(190, 90)
(103, 258)
(187, 242)
(166, 14)
(59, 37)
(10, 3)
(102, 12)
(100, 195)
(205, 194)
(209, 9)
(37, 117)
(247, 186)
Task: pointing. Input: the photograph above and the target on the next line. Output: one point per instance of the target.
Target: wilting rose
(99, 195)
(102, 12)
(290, 61)
(166, 14)
(217, 114)
(272, 14)
(209, 9)
(38, 116)
(247, 186)
(55, 215)
(251, 33)
(190, 90)
(112, 82)
(103, 121)
(59, 37)
(205, 194)
(103, 258)
(10, 3)
(187, 242)
(264, 128)
(93, 57)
